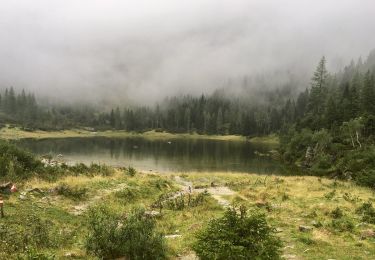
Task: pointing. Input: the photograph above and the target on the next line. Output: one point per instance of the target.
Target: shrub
(130, 171)
(306, 239)
(330, 195)
(160, 183)
(17, 163)
(367, 211)
(342, 224)
(72, 192)
(238, 236)
(337, 213)
(34, 232)
(134, 237)
(101, 169)
(128, 194)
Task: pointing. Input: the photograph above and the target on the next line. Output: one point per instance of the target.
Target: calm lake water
(159, 155)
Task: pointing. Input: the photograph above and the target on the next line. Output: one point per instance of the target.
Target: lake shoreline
(16, 133)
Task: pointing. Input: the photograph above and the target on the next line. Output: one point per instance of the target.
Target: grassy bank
(15, 133)
(326, 208)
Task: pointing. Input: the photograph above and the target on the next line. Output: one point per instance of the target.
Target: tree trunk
(359, 143)
(351, 138)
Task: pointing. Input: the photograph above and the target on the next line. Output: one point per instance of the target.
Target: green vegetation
(133, 236)
(96, 211)
(328, 129)
(238, 236)
(89, 216)
(16, 163)
(333, 131)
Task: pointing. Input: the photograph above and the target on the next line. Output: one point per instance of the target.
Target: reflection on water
(159, 155)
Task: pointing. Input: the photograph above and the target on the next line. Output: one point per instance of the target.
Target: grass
(15, 133)
(288, 202)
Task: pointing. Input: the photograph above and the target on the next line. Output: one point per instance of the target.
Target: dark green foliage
(131, 171)
(335, 133)
(92, 170)
(330, 195)
(342, 224)
(72, 192)
(238, 236)
(306, 239)
(367, 211)
(112, 235)
(337, 213)
(16, 163)
(160, 183)
(32, 232)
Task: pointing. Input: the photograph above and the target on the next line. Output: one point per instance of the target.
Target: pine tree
(219, 121)
(368, 94)
(318, 94)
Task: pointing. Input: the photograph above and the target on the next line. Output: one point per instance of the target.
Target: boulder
(305, 228)
(152, 213)
(316, 224)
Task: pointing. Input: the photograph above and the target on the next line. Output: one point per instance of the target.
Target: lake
(175, 155)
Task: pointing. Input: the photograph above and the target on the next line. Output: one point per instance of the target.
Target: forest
(326, 129)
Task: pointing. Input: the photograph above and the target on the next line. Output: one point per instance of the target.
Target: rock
(279, 230)
(173, 236)
(316, 224)
(22, 197)
(70, 255)
(35, 190)
(152, 213)
(305, 228)
(190, 256)
(369, 233)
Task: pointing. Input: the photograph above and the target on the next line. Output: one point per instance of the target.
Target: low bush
(16, 163)
(337, 213)
(129, 194)
(342, 224)
(34, 232)
(133, 237)
(238, 235)
(101, 169)
(330, 195)
(185, 201)
(72, 192)
(367, 211)
(130, 171)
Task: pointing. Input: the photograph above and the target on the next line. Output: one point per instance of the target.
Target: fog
(141, 51)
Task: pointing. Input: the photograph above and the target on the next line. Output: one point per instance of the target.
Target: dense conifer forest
(328, 128)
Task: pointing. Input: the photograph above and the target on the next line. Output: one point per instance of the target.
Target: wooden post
(1, 207)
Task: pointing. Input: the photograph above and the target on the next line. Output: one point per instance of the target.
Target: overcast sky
(144, 50)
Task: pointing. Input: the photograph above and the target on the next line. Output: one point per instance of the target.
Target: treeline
(329, 128)
(332, 124)
(18, 107)
(207, 114)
